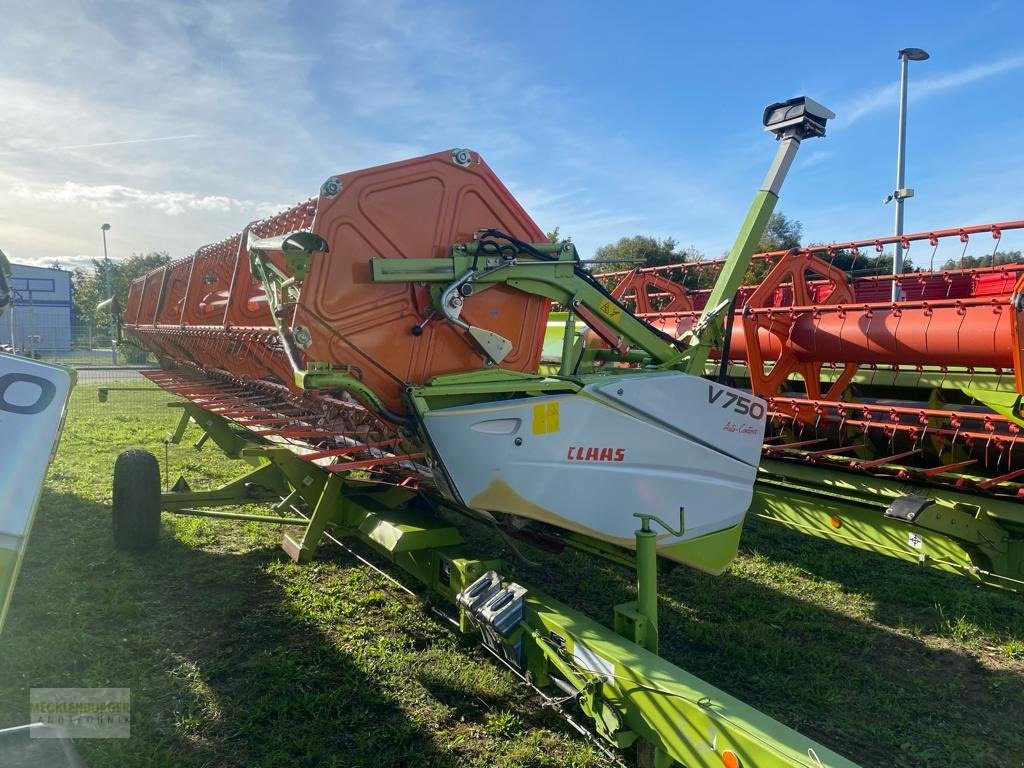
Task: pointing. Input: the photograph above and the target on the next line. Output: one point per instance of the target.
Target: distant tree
(639, 251)
(991, 259)
(781, 233)
(54, 264)
(553, 235)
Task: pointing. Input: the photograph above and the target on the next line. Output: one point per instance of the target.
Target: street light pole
(901, 193)
(110, 295)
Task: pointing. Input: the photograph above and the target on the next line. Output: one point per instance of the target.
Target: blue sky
(178, 123)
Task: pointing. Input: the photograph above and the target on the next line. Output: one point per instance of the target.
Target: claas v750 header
(374, 353)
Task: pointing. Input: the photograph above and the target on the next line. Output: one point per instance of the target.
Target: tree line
(781, 233)
(88, 285)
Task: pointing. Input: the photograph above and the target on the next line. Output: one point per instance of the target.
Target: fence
(107, 377)
(115, 408)
(52, 338)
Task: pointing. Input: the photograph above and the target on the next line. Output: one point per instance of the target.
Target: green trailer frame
(632, 697)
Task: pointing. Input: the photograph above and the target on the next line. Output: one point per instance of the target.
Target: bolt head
(331, 187)
(302, 336)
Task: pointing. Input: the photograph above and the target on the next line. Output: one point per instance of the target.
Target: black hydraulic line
(723, 367)
(584, 275)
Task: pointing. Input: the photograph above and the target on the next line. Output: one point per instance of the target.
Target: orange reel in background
(642, 287)
(1017, 333)
(790, 281)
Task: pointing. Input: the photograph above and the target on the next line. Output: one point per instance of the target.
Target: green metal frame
(729, 280)
(962, 533)
(557, 279)
(631, 695)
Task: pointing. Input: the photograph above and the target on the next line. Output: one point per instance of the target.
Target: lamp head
(913, 54)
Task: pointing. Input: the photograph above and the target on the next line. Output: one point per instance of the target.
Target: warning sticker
(916, 540)
(610, 310)
(545, 418)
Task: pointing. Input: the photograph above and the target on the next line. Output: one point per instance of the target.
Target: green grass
(236, 656)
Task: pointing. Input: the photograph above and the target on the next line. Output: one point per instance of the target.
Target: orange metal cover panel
(169, 309)
(150, 294)
(134, 302)
(412, 209)
(206, 300)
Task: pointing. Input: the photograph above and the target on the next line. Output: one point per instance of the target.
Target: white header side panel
(586, 462)
(32, 401)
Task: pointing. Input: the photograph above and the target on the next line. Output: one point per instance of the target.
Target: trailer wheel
(136, 501)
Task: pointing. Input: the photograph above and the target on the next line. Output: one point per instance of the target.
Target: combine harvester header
(443, 348)
(893, 426)
(375, 354)
(389, 290)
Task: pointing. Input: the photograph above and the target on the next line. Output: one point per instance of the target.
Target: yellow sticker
(545, 418)
(610, 309)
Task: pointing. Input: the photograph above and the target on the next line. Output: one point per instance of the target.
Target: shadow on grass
(223, 670)
(227, 669)
(868, 689)
(903, 594)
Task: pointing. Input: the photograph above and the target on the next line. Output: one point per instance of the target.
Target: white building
(40, 316)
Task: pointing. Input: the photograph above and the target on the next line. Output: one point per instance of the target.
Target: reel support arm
(791, 121)
(558, 279)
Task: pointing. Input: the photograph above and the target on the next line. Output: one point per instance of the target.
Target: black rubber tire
(136, 501)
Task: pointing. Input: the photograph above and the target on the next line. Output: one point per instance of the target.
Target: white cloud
(817, 157)
(225, 106)
(885, 97)
(176, 142)
(179, 141)
(113, 196)
(23, 147)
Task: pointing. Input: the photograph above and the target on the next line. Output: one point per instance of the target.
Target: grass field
(235, 656)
